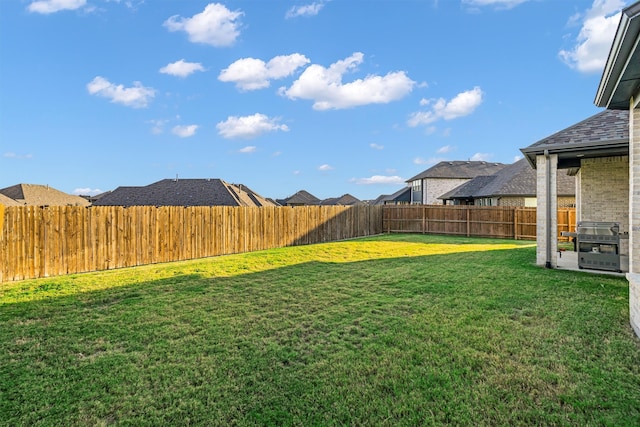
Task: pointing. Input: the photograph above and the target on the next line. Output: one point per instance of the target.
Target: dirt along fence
(50, 241)
(499, 221)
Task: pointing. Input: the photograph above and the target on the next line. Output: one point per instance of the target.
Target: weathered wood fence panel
(498, 221)
(57, 240)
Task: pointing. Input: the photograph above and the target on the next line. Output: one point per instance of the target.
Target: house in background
(7, 201)
(41, 195)
(443, 177)
(400, 197)
(184, 192)
(513, 185)
(344, 200)
(301, 198)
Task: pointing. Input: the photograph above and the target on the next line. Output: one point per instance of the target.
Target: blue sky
(333, 97)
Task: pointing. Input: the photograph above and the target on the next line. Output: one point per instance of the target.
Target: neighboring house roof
(607, 130)
(302, 197)
(42, 195)
(8, 201)
(459, 169)
(621, 75)
(184, 192)
(402, 195)
(516, 180)
(344, 200)
(469, 189)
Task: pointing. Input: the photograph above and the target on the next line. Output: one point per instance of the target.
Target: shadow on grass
(483, 338)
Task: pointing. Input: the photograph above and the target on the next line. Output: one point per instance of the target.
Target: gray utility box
(598, 245)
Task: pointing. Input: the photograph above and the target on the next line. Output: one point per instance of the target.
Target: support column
(634, 217)
(547, 210)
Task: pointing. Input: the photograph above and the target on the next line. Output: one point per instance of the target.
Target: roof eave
(580, 150)
(619, 63)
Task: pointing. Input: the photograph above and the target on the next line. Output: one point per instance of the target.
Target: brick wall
(542, 164)
(563, 202)
(436, 187)
(604, 183)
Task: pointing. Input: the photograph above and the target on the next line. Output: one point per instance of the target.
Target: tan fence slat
(48, 241)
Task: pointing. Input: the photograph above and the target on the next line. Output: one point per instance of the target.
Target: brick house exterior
(604, 151)
(513, 185)
(619, 89)
(429, 185)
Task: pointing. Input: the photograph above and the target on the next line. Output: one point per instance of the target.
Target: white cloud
(499, 4)
(376, 146)
(248, 127)
(252, 74)
(594, 40)
(516, 158)
(481, 157)
(181, 68)
(379, 179)
(429, 161)
(137, 96)
(184, 131)
(157, 126)
(445, 149)
(12, 155)
(325, 168)
(86, 191)
(215, 25)
(461, 105)
(325, 87)
(247, 149)
(52, 6)
(305, 10)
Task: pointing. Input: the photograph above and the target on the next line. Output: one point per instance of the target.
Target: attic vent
(450, 163)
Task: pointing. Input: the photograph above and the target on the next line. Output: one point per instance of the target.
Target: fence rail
(499, 221)
(57, 240)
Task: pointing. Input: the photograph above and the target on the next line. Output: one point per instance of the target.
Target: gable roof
(8, 201)
(302, 197)
(517, 179)
(459, 169)
(344, 200)
(402, 195)
(184, 192)
(469, 189)
(607, 130)
(42, 195)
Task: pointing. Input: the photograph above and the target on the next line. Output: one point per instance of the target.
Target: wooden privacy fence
(498, 221)
(50, 241)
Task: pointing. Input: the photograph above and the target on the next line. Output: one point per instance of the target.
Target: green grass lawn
(390, 330)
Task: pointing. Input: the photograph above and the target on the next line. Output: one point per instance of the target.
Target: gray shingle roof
(8, 201)
(599, 129)
(459, 169)
(183, 192)
(402, 195)
(516, 179)
(344, 200)
(302, 197)
(469, 189)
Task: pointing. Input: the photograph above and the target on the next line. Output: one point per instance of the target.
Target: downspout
(547, 178)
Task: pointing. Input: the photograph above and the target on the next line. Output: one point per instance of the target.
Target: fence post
(515, 223)
(1, 221)
(2, 247)
(468, 213)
